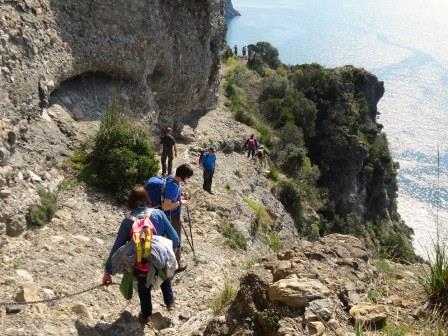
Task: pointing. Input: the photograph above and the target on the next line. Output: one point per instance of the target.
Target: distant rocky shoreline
(229, 10)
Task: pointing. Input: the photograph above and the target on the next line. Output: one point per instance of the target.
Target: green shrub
(40, 214)
(274, 87)
(263, 53)
(224, 296)
(236, 239)
(436, 279)
(121, 156)
(275, 243)
(262, 218)
(289, 195)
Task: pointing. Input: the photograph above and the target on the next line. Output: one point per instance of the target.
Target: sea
(405, 44)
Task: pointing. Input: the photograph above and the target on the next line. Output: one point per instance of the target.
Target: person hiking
(208, 164)
(263, 156)
(235, 50)
(251, 145)
(244, 51)
(169, 151)
(174, 199)
(138, 203)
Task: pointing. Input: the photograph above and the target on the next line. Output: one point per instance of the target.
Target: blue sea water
(404, 43)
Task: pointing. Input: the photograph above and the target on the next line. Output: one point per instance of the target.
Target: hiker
(169, 150)
(174, 199)
(208, 164)
(138, 203)
(244, 51)
(251, 145)
(235, 50)
(262, 156)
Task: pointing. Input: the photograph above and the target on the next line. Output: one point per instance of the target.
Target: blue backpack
(155, 187)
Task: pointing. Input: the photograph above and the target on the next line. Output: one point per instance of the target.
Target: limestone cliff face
(162, 55)
(229, 10)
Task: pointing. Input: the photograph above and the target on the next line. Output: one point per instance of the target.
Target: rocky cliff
(162, 55)
(229, 10)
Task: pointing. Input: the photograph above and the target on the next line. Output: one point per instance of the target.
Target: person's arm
(169, 205)
(175, 150)
(123, 236)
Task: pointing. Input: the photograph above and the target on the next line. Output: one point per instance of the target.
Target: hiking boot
(143, 320)
(171, 306)
(181, 268)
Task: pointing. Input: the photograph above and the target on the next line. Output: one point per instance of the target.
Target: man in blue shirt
(173, 201)
(208, 164)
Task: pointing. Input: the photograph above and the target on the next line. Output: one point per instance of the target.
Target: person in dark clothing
(251, 145)
(138, 203)
(235, 50)
(174, 199)
(208, 165)
(244, 51)
(169, 151)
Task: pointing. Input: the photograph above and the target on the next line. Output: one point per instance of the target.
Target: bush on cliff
(40, 214)
(263, 54)
(121, 155)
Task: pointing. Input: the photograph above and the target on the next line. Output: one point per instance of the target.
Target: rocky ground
(66, 256)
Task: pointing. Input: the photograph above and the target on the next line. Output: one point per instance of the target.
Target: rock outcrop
(229, 10)
(160, 55)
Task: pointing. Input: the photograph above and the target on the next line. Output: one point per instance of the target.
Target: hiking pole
(191, 232)
(188, 240)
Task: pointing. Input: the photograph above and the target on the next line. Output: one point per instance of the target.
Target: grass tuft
(235, 238)
(40, 214)
(223, 297)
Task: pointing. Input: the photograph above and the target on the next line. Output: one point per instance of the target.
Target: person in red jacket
(251, 145)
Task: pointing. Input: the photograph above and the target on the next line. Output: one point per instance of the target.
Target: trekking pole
(191, 232)
(188, 240)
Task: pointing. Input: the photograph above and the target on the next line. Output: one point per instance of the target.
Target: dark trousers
(144, 294)
(167, 157)
(208, 179)
(251, 152)
(177, 225)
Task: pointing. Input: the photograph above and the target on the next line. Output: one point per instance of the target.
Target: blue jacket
(158, 219)
(209, 161)
(173, 192)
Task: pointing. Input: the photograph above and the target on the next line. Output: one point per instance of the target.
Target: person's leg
(163, 159)
(144, 294)
(170, 164)
(167, 292)
(209, 180)
(175, 221)
(204, 176)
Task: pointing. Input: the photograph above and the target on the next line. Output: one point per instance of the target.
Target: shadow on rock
(127, 324)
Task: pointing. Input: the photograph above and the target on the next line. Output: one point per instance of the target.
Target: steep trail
(68, 254)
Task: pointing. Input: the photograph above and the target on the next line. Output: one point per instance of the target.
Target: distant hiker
(235, 50)
(251, 145)
(169, 150)
(244, 51)
(263, 156)
(138, 203)
(208, 163)
(173, 199)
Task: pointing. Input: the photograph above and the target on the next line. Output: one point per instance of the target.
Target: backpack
(155, 187)
(201, 157)
(251, 142)
(141, 234)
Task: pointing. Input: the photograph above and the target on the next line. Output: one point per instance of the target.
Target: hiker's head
(212, 150)
(184, 172)
(138, 198)
(168, 130)
(252, 136)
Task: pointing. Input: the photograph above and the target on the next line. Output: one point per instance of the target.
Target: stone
(34, 177)
(370, 315)
(27, 293)
(16, 226)
(82, 311)
(24, 276)
(4, 156)
(73, 204)
(5, 192)
(333, 324)
(296, 292)
(322, 308)
(13, 309)
(184, 315)
(63, 215)
(316, 328)
(160, 322)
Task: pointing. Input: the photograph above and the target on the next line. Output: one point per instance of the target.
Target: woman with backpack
(139, 206)
(251, 145)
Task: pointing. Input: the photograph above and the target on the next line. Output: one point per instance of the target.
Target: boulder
(297, 292)
(24, 276)
(27, 293)
(81, 310)
(4, 156)
(370, 315)
(316, 328)
(16, 226)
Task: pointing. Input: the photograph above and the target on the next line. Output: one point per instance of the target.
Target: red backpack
(141, 234)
